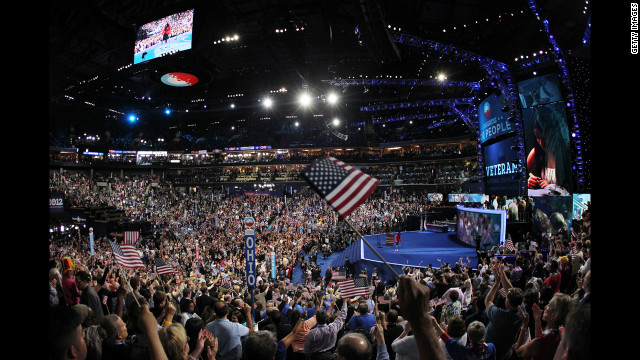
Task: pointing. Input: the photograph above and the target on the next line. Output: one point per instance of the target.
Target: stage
(417, 249)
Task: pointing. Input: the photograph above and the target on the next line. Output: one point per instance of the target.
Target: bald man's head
(354, 346)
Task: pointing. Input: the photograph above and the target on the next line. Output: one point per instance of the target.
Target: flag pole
(372, 248)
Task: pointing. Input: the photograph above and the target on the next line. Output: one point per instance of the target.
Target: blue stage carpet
(417, 249)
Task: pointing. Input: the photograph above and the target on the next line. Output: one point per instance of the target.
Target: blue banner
(250, 257)
(273, 265)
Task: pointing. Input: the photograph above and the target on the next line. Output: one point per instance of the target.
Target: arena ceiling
(366, 47)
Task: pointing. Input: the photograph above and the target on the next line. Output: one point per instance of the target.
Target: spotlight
(268, 102)
(332, 98)
(336, 122)
(442, 77)
(167, 111)
(305, 99)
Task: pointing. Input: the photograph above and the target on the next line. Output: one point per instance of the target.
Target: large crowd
(537, 306)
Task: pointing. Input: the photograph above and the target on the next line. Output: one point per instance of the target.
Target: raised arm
(413, 299)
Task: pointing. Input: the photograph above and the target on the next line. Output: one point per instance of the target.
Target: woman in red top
(555, 278)
(166, 32)
(544, 343)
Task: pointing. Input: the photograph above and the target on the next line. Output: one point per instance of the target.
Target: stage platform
(417, 249)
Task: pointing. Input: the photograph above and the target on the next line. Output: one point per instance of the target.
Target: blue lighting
(132, 118)
(167, 111)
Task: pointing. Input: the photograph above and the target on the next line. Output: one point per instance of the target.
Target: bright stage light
(336, 122)
(305, 99)
(442, 77)
(332, 98)
(268, 102)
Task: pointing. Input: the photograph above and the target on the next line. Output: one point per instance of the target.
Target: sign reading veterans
(250, 256)
(341, 185)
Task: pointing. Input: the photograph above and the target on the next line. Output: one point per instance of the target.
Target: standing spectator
(576, 337)
(405, 346)
(454, 308)
(477, 348)
(363, 320)
(56, 295)
(544, 343)
(321, 339)
(555, 278)
(504, 324)
(187, 310)
(457, 330)
(228, 333)
(66, 339)
(69, 286)
(89, 296)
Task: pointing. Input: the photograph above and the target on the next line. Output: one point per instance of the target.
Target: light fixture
(305, 99)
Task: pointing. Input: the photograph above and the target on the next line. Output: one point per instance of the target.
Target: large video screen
(435, 197)
(580, 203)
(552, 214)
(169, 34)
(490, 225)
(540, 90)
(492, 121)
(468, 198)
(548, 150)
(501, 167)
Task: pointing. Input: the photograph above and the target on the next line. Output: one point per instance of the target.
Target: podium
(390, 239)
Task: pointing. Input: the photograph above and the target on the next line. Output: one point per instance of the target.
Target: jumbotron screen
(164, 36)
(490, 225)
(492, 120)
(547, 150)
(502, 168)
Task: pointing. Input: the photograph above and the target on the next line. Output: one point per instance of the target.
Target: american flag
(338, 275)
(126, 255)
(130, 237)
(502, 292)
(509, 245)
(384, 300)
(226, 281)
(162, 268)
(353, 287)
(342, 186)
(573, 252)
(433, 303)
